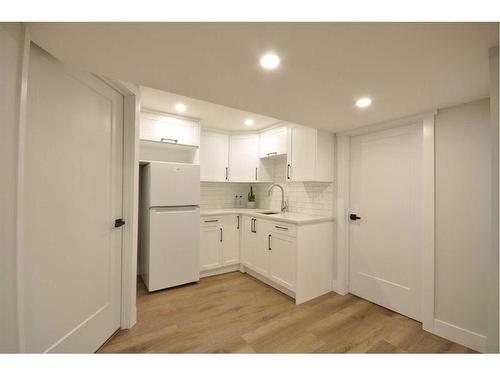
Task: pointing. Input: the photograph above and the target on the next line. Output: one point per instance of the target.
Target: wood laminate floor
(235, 313)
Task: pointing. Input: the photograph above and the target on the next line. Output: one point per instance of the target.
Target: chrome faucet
(284, 204)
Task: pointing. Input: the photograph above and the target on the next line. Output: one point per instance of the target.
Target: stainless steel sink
(268, 212)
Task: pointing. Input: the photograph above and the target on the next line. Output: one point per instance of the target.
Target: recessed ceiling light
(270, 61)
(363, 102)
(249, 122)
(179, 107)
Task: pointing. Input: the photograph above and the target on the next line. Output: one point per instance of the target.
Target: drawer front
(284, 228)
(211, 221)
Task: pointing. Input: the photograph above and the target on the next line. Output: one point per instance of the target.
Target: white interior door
(71, 268)
(385, 243)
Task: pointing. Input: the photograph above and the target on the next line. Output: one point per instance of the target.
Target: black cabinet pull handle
(254, 227)
(278, 227)
(169, 140)
(288, 171)
(255, 174)
(269, 242)
(220, 234)
(226, 173)
(272, 153)
(211, 221)
(238, 225)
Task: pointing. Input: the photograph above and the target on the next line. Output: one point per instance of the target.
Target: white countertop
(286, 217)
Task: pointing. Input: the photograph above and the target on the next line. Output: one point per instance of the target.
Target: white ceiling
(407, 68)
(211, 115)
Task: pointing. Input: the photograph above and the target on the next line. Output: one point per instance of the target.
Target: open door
(71, 268)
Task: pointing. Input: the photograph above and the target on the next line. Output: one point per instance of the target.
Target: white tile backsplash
(221, 194)
(316, 198)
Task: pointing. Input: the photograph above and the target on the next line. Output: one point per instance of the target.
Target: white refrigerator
(170, 224)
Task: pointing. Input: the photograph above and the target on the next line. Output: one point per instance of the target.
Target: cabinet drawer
(164, 128)
(284, 228)
(211, 221)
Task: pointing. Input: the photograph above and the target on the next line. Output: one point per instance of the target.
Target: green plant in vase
(251, 198)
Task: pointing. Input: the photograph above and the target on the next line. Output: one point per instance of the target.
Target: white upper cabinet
(244, 162)
(273, 142)
(169, 129)
(310, 154)
(214, 156)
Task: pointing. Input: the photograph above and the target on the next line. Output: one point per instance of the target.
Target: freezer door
(174, 184)
(174, 248)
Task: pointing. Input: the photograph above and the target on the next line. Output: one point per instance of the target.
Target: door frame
(130, 205)
(343, 141)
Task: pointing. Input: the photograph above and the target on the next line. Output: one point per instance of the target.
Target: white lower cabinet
(230, 240)
(282, 259)
(261, 251)
(273, 252)
(296, 259)
(248, 241)
(220, 239)
(210, 244)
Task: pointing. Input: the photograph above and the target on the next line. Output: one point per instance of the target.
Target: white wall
(11, 42)
(463, 215)
(493, 313)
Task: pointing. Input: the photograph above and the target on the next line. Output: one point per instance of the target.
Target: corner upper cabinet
(310, 155)
(273, 142)
(244, 162)
(166, 128)
(214, 156)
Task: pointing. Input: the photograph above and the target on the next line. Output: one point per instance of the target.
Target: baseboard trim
(220, 271)
(269, 282)
(460, 335)
(337, 289)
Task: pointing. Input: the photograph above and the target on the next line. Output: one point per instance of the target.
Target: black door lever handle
(354, 217)
(119, 222)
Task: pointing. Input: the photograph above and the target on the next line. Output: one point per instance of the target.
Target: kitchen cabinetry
(262, 250)
(219, 242)
(282, 247)
(296, 259)
(273, 142)
(274, 253)
(210, 244)
(283, 257)
(249, 157)
(230, 240)
(169, 129)
(248, 241)
(214, 156)
(244, 162)
(270, 250)
(310, 154)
